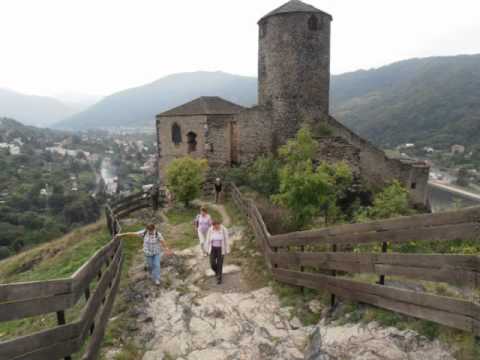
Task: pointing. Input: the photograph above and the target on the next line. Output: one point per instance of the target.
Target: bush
(185, 177)
(391, 202)
(278, 219)
(4, 252)
(305, 190)
(263, 175)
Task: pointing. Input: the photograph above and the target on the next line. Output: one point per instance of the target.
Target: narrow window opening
(176, 134)
(192, 142)
(313, 23)
(413, 185)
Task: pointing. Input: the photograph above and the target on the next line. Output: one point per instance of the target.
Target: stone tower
(294, 66)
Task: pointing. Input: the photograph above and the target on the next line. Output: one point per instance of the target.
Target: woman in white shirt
(202, 223)
(218, 247)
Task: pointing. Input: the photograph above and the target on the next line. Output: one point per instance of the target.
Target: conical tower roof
(294, 6)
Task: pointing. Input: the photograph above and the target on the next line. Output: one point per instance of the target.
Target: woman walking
(153, 242)
(218, 247)
(202, 223)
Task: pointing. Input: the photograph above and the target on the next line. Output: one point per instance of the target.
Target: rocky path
(192, 318)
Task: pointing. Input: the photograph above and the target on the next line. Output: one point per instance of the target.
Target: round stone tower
(294, 65)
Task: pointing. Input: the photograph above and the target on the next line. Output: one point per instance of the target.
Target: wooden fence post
(155, 194)
(334, 273)
(302, 269)
(109, 220)
(61, 321)
(381, 281)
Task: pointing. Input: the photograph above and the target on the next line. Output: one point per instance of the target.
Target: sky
(51, 47)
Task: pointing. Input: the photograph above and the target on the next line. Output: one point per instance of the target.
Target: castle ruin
(293, 89)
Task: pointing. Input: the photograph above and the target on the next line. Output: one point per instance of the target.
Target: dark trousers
(216, 261)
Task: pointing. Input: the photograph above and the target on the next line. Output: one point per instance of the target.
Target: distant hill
(33, 110)
(434, 101)
(138, 106)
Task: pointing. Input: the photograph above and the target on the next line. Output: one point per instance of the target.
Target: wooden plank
(436, 233)
(459, 270)
(95, 300)
(27, 344)
(467, 215)
(29, 290)
(84, 276)
(131, 210)
(128, 198)
(54, 351)
(447, 311)
(32, 307)
(94, 346)
(121, 207)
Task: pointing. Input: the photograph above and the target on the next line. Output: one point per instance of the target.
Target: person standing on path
(218, 189)
(202, 223)
(153, 242)
(218, 247)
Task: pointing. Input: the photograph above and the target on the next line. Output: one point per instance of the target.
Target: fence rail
(301, 268)
(103, 269)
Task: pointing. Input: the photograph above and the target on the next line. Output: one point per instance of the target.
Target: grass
(181, 215)
(61, 258)
(180, 233)
(56, 259)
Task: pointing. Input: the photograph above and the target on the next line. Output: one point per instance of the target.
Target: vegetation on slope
(431, 101)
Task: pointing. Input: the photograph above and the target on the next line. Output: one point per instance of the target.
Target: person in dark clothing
(218, 189)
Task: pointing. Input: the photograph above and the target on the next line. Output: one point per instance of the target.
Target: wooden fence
(290, 261)
(103, 269)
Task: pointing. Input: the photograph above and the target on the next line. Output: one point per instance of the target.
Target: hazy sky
(102, 46)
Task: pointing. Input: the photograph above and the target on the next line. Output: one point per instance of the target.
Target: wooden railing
(103, 269)
(302, 267)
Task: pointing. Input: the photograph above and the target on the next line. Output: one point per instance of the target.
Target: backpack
(157, 234)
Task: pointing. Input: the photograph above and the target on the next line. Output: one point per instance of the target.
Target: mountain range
(430, 101)
(138, 106)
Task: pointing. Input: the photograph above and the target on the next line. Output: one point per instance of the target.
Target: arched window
(192, 141)
(176, 134)
(313, 23)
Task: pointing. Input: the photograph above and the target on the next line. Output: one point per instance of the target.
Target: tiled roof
(205, 105)
(294, 6)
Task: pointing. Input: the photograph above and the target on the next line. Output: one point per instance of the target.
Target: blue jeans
(153, 264)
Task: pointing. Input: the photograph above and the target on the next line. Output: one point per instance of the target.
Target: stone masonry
(293, 89)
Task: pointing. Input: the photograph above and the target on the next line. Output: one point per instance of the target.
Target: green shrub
(391, 202)
(308, 191)
(185, 177)
(263, 175)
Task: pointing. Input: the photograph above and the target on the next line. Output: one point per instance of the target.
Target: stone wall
(336, 149)
(377, 169)
(294, 68)
(219, 140)
(167, 150)
(254, 133)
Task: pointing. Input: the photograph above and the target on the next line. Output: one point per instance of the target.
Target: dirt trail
(190, 317)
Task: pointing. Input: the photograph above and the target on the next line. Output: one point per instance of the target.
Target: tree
(463, 177)
(306, 190)
(263, 175)
(185, 177)
(391, 202)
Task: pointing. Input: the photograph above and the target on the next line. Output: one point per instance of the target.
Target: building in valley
(293, 89)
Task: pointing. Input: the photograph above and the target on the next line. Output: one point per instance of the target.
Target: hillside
(431, 101)
(33, 110)
(138, 106)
